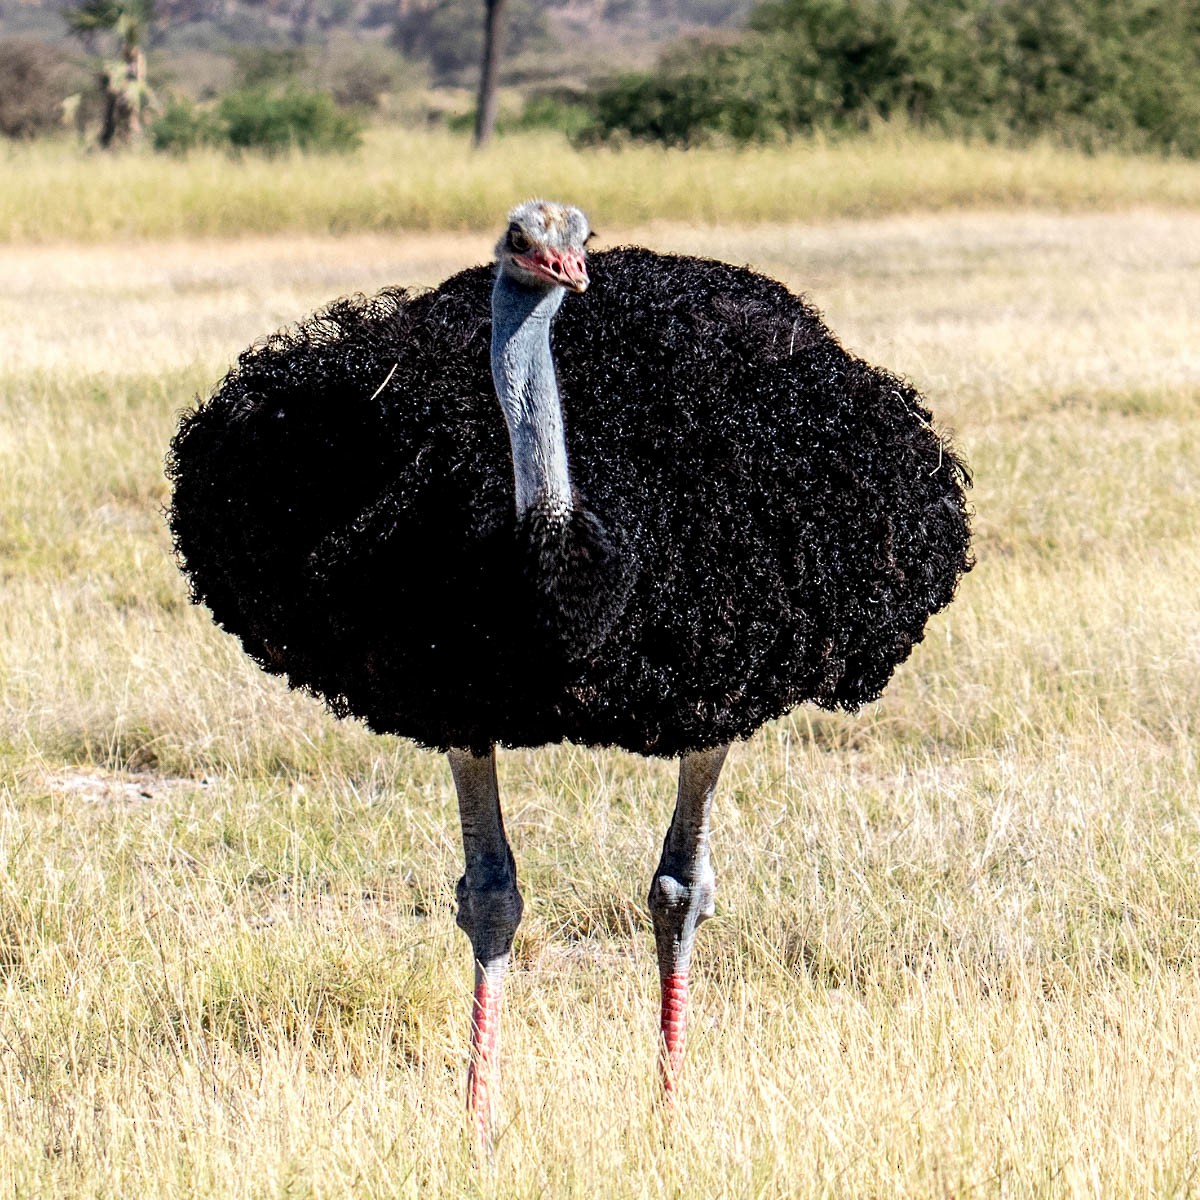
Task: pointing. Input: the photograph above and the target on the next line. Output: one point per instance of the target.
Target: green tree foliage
(182, 126)
(259, 120)
(1090, 72)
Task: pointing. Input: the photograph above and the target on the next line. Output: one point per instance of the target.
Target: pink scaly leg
(673, 1023)
(681, 897)
(483, 1069)
(489, 910)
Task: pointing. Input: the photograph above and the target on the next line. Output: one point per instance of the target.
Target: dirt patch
(93, 785)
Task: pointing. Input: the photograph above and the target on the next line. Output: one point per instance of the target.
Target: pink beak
(567, 268)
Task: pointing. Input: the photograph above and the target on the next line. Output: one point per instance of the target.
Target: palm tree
(127, 96)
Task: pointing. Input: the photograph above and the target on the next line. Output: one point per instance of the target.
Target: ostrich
(654, 520)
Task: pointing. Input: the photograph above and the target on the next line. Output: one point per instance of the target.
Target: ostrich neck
(523, 372)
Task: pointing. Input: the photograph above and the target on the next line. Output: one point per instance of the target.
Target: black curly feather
(762, 518)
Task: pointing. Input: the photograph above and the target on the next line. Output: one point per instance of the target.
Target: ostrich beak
(567, 268)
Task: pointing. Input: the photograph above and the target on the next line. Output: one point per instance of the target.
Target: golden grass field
(957, 949)
(404, 181)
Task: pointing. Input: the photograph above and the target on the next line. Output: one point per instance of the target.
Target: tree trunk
(489, 76)
(109, 121)
(124, 86)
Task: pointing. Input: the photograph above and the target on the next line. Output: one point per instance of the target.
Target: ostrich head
(545, 246)
(541, 257)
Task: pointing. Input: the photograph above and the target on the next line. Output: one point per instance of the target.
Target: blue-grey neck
(523, 372)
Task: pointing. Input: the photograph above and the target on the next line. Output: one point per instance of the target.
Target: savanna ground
(958, 938)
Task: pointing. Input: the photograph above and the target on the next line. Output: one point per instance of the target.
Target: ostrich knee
(679, 901)
(489, 911)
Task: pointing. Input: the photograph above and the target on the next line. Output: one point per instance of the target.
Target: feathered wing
(290, 447)
(339, 501)
(795, 517)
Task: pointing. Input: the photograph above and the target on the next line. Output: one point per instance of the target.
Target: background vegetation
(259, 119)
(412, 61)
(1088, 74)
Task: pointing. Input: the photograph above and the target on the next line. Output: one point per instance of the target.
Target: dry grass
(958, 935)
(408, 181)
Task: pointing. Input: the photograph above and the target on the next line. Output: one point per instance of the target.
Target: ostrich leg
(681, 896)
(489, 909)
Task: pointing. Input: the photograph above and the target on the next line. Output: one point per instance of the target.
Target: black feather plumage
(762, 518)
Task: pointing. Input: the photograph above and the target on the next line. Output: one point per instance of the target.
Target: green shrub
(256, 119)
(182, 127)
(1088, 72)
(566, 114)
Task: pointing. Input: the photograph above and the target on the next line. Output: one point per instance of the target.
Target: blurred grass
(958, 937)
(407, 181)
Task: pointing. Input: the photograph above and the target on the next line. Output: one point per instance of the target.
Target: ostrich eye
(518, 241)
